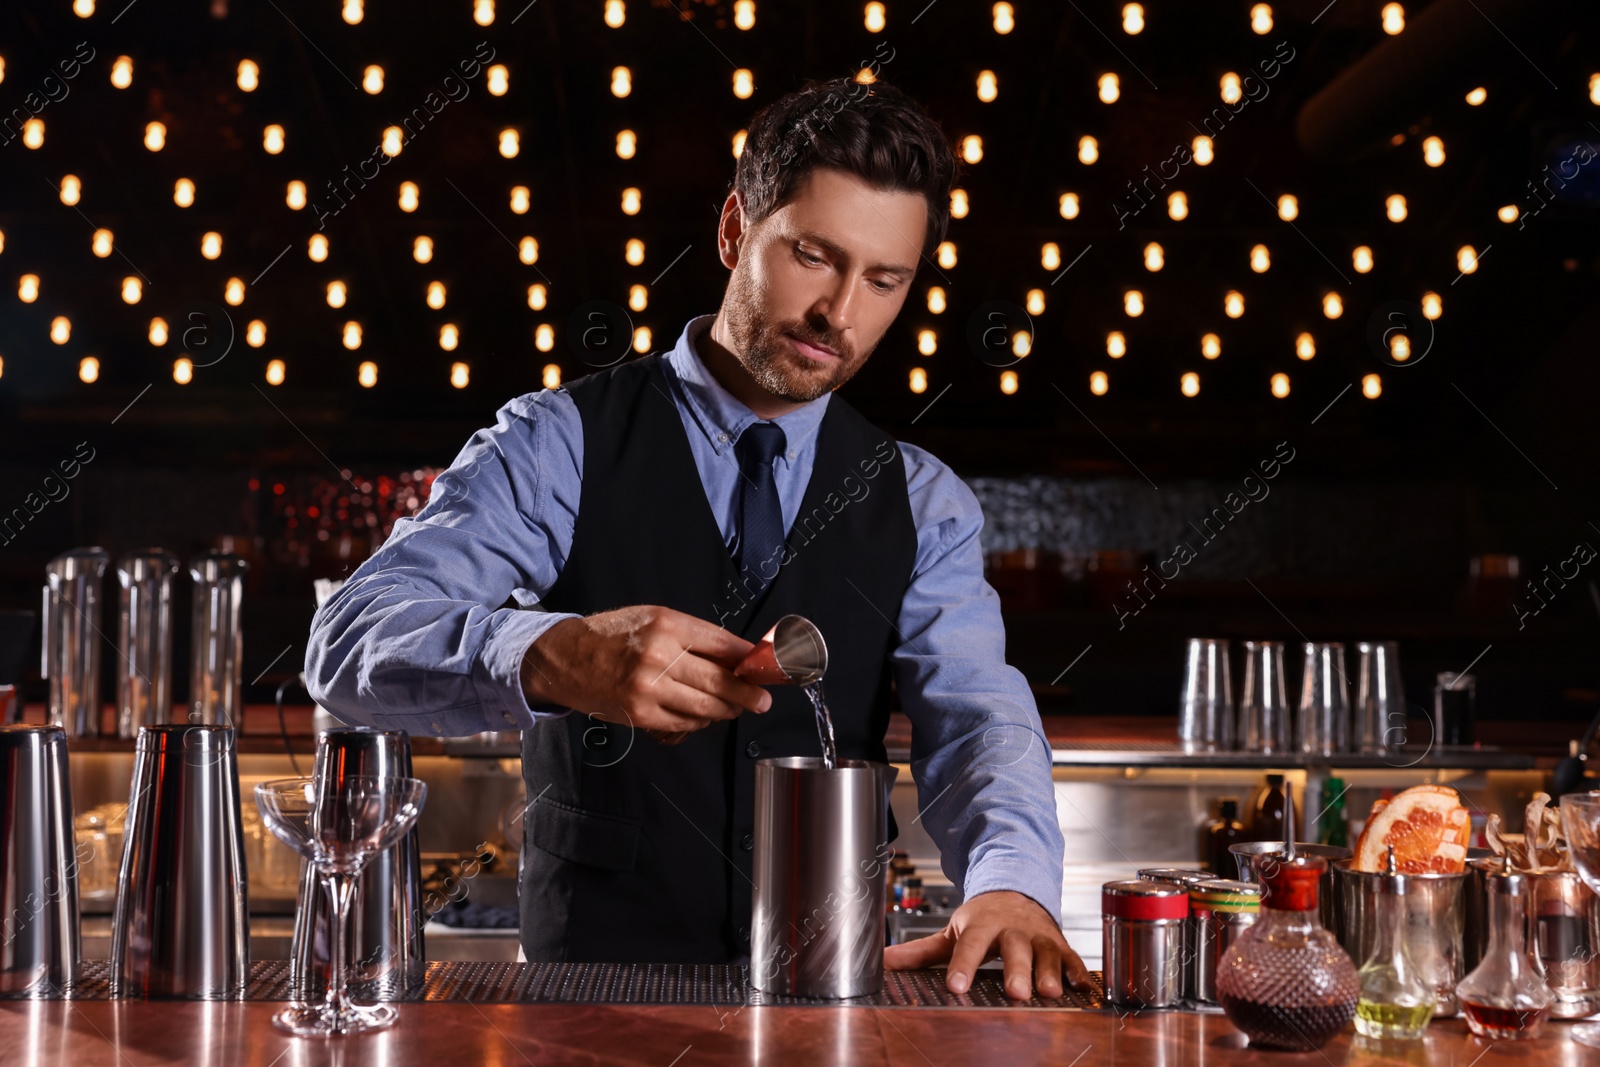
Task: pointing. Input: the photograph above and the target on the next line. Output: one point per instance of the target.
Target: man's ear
(730, 230)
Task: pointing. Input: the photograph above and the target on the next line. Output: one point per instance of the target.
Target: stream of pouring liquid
(830, 754)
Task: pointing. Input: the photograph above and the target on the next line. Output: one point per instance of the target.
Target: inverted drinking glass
(338, 827)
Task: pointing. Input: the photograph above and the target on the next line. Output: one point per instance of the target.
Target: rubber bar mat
(625, 983)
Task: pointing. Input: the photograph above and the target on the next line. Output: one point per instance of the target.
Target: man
(642, 510)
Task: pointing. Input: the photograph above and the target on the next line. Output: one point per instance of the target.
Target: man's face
(817, 283)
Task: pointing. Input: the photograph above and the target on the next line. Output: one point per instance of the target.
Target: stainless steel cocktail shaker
(144, 665)
(70, 646)
(40, 947)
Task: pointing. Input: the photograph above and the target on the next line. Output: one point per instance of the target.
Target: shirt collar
(721, 416)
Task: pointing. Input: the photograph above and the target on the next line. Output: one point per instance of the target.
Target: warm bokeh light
(352, 12)
(1069, 205)
(1154, 259)
(422, 249)
(60, 329)
(744, 14)
(351, 337)
(121, 71)
(1395, 207)
(959, 204)
(1116, 344)
(936, 299)
(1005, 20)
(71, 190)
(946, 254)
(483, 12)
(497, 79)
(158, 331)
(393, 140)
(449, 336)
(410, 196)
(1371, 386)
(272, 139)
(1508, 213)
(1099, 383)
(249, 75)
(1204, 150)
(738, 143)
(1260, 259)
(744, 83)
(1394, 18)
(33, 137)
(1399, 347)
(155, 136)
(211, 245)
(641, 339)
(255, 334)
(1132, 24)
(1433, 151)
(1432, 306)
(638, 297)
(317, 248)
(459, 375)
(633, 252)
(927, 342)
(1233, 303)
(1229, 85)
(1210, 346)
(919, 380)
(616, 15)
(1189, 384)
(1088, 149)
(275, 371)
(628, 144)
(551, 376)
(544, 337)
(183, 192)
(988, 86)
(295, 196)
(1288, 207)
(1133, 303)
(372, 79)
(1467, 259)
(972, 148)
(28, 288)
(1280, 385)
(1332, 306)
(1361, 259)
(630, 201)
(621, 81)
(537, 296)
(1008, 382)
(183, 370)
(101, 243)
(1261, 19)
(873, 17)
(1050, 255)
(1480, 94)
(1110, 88)
(1305, 346)
(132, 290)
(521, 199)
(510, 143)
(528, 251)
(367, 374)
(88, 370)
(336, 294)
(1035, 302)
(436, 295)
(1177, 206)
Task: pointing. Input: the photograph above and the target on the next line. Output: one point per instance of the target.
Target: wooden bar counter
(456, 1031)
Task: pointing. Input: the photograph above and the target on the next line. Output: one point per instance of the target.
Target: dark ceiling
(1512, 358)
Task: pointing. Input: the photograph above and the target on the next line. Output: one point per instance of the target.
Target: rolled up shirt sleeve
(429, 633)
(979, 755)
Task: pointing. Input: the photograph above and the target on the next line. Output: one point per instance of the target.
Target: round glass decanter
(1286, 982)
(1505, 998)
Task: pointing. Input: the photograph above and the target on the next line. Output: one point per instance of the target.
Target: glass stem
(341, 889)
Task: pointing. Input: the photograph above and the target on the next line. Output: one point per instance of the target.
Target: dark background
(1483, 445)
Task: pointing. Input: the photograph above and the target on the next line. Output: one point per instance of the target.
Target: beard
(771, 360)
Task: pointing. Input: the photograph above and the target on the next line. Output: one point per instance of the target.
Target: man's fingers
(923, 952)
(707, 638)
(1077, 973)
(972, 948)
(1046, 967)
(1016, 950)
(713, 678)
(675, 696)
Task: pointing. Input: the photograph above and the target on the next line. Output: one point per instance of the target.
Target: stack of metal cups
(40, 948)
(181, 927)
(384, 946)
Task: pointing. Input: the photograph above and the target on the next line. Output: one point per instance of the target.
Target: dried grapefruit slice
(1428, 827)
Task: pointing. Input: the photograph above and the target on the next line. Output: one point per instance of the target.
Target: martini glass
(338, 826)
(1580, 818)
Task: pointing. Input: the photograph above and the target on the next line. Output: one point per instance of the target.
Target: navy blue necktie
(760, 515)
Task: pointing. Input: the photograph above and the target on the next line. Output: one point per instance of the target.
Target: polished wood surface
(137, 1034)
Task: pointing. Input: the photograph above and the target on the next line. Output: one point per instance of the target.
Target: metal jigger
(791, 653)
(385, 948)
(182, 924)
(40, 949)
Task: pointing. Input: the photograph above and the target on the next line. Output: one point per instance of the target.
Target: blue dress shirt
(418, 639)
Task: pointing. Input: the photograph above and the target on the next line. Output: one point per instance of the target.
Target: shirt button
(753, 749)
(789, 455)
(508, 717)
(723, 438)
(747, 842)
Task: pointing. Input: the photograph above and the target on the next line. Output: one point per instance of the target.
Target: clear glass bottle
(1395, 1003)
(1505, 998)
(1286, 982)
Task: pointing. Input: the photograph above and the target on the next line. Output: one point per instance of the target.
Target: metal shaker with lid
(1219, 911)
(1183, 877)
(1142, 942)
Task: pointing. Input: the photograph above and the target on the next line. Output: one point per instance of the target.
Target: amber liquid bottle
(1267, 825)
(1224, 831)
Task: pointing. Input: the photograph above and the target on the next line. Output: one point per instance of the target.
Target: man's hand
(1010, 925)
(650, 667)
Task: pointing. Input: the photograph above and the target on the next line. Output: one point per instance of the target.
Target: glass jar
(1395, 1003)
(1506, 998)
(1286, 982)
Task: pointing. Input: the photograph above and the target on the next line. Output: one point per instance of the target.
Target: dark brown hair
(872, 130)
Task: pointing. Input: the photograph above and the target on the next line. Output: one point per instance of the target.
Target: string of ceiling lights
(249, 75)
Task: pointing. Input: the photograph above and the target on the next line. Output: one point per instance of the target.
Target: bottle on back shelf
(1224, 831)
(1333, 827)
(1268, 822)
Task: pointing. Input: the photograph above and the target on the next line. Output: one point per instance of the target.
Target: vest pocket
(590, 838)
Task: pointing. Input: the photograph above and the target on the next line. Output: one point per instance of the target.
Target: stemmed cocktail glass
(338, 826)
(1580, 818)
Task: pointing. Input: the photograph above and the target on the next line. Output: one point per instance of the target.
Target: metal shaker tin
(1219, 911)
(1142, 942)
(1184, 877)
